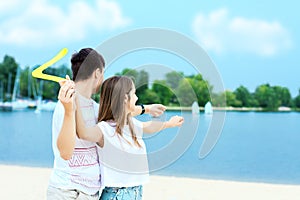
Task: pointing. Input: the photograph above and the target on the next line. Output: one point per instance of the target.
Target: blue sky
(251, 44)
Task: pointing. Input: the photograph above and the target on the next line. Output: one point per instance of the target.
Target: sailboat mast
(29, 84)
(8, 94)
(1, 91)
(16, 85)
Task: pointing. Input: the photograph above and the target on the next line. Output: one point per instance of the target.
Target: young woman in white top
(122, 150)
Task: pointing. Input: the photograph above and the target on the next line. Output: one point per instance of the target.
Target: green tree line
(29, 87)
(176, 89)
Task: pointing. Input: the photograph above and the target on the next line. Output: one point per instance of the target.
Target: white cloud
(42, 23)
(6, 6)
(220, 33)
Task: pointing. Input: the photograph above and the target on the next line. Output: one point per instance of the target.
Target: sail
(195, 108)
(17, 104)
(208, 108)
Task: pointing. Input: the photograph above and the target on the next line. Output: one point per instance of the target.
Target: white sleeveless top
(123, 164)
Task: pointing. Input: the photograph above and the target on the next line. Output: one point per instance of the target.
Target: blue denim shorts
(122, 193)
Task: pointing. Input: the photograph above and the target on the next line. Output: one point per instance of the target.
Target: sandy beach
(29, 183)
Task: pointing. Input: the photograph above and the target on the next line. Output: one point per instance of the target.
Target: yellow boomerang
(38, 72)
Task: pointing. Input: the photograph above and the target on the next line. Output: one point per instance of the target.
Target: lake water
(253, 146)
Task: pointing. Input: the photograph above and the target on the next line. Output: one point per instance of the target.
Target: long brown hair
(114, 90)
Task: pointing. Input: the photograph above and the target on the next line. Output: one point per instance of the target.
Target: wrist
(147, 109)
(167, 124)
(70, 111)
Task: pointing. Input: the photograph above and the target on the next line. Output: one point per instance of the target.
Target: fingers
(66, 91)
(178, 120)
(157, 113)
(70, 93)
(62, 82)
(157, 110)
(162, 107)
(181, 120)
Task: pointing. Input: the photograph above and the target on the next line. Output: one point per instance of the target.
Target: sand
(29, 183)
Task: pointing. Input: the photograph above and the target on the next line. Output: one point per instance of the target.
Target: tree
(142, 84)
(149, 97)
(185, 93)
(218, 99)
(266, 97)
(8, 71)
(173, 79)
(201, 88)
(283, 95)
(245, 97)
(141, 79)
(297, 100)
(129, 72)
(163, 92)
(231, 99)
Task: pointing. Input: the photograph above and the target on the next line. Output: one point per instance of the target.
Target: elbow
(66, 156)
(65, 153)
(82, 136)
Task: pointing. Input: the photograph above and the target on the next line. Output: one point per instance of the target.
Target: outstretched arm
(93, 134)
(156, 126)
(66, 137)
(152, 109)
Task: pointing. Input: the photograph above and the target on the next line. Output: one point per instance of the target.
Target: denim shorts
(122, 193)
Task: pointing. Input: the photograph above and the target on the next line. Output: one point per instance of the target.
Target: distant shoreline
(214, 108)
(242, 109)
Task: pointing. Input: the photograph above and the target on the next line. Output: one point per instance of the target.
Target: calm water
(262, 147)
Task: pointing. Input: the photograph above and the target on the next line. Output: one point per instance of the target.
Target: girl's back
(123, 164)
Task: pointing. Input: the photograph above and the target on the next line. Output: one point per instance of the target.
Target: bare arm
(155, 126)
(66, 138)
(93, 134)
(152, 109)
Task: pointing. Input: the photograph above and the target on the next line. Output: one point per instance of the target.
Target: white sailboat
(195, 108)
(208, 108)
(17, 104)
(43, 105)
(31, 103)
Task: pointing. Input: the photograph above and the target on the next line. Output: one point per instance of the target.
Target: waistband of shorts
(122, 188)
